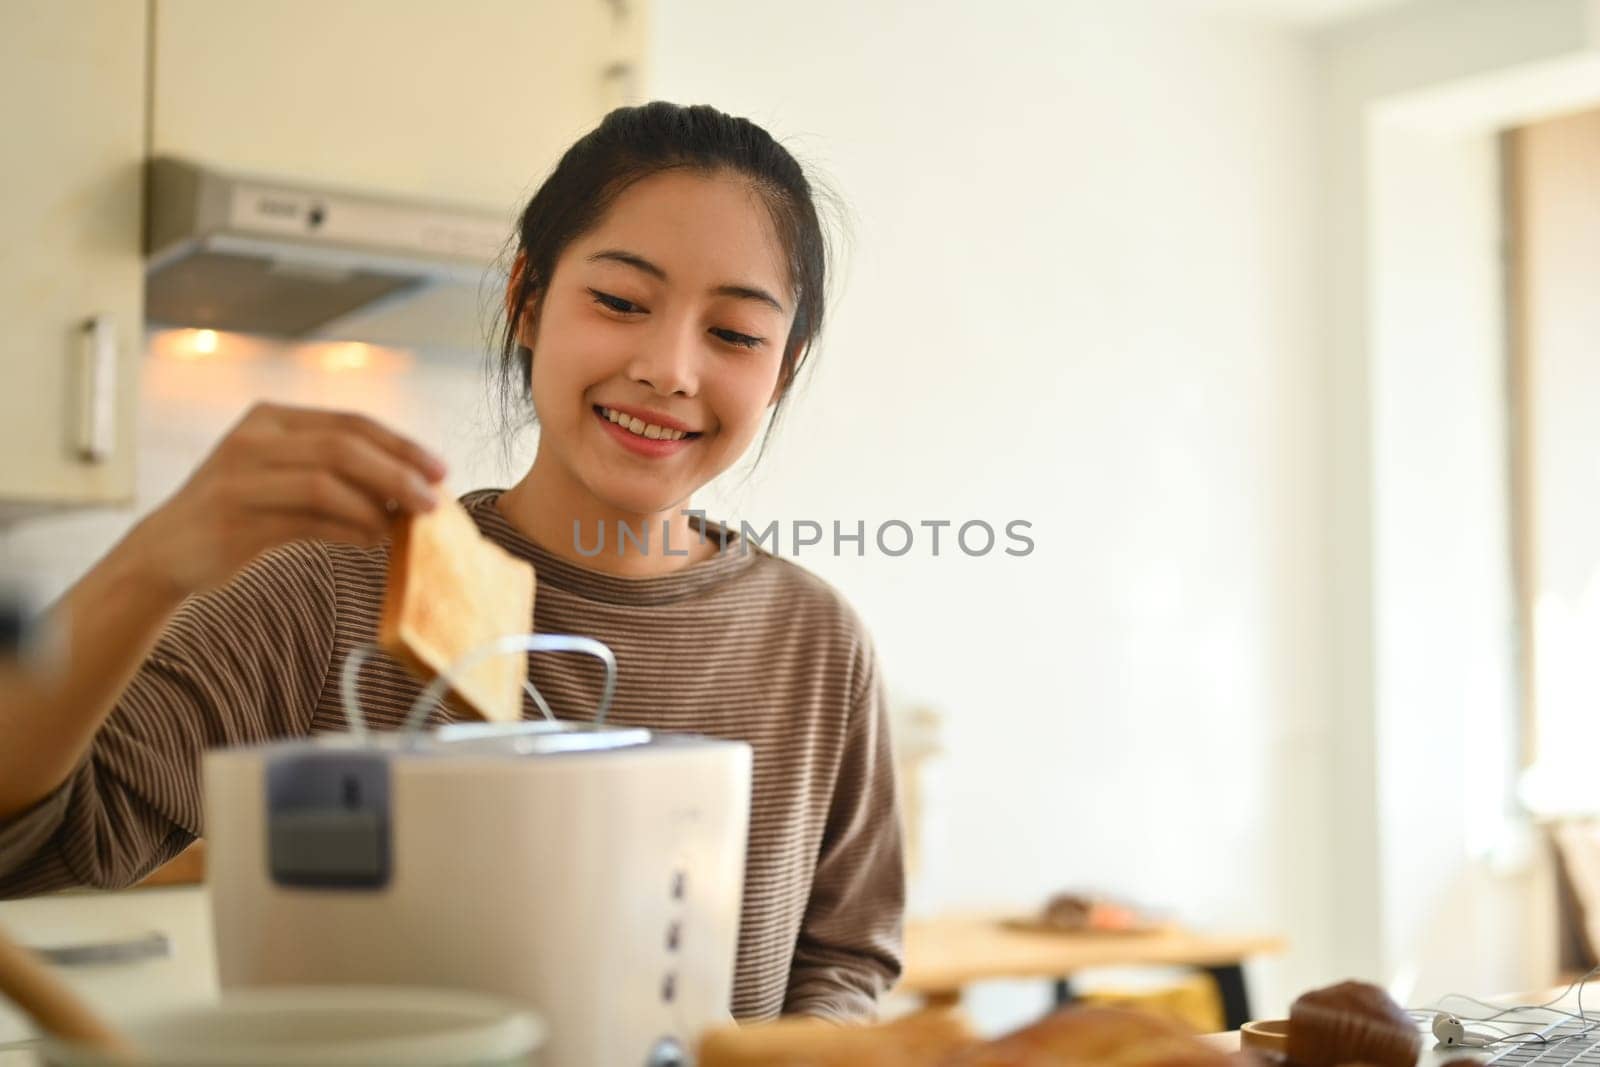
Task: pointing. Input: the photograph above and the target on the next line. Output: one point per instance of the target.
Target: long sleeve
(241, 663)
(850, 946)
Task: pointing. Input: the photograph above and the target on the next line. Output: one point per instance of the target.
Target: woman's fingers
(310, 493)
(285, 474)
(359, 462)
(305, 422)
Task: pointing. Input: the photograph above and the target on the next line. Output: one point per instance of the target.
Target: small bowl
(1267, 1035)
(322, 1027)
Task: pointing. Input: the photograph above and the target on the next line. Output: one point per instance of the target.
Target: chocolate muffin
(1352, 1022)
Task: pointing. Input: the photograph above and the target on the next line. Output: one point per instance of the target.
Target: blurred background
(1275, 318)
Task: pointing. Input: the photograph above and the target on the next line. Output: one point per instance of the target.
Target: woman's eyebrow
(638, 262)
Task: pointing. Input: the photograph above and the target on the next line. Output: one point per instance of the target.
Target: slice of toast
(451, 590)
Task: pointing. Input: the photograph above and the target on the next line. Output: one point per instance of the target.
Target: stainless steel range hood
(283, 259)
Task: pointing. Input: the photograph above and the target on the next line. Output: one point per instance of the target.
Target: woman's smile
(644, 433)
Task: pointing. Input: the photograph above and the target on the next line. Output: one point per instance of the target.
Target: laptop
(1541, 1040)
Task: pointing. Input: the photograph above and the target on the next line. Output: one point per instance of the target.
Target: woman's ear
(527, 327)
(519, 267)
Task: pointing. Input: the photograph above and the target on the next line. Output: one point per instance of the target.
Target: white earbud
(1449, 1031)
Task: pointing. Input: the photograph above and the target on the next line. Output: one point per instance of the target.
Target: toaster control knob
(667, 1053)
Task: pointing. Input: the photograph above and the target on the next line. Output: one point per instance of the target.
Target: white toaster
(594, 874)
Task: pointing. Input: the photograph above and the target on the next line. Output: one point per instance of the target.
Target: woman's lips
(655, 448)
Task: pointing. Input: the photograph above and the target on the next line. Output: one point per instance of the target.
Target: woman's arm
(239, 664)
(105, 626)
(849, 949)
(281, 474)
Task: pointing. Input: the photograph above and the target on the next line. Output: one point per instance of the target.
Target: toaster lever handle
(504, 646)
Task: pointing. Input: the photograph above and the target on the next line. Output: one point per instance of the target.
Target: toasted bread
(450, 590)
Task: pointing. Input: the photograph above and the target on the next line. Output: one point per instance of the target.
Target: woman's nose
(668, 362)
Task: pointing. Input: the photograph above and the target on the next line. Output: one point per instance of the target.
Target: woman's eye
(615, 303)
(743, 340)
(628, 307)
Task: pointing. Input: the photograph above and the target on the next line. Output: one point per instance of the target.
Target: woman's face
(658, 345)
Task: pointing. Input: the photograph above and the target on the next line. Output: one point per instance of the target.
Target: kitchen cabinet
(72, 105)
(125, 953)
(468, 102)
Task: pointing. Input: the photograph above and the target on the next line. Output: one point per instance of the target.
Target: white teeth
(642, 428)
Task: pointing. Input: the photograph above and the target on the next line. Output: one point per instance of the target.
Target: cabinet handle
(619, 85)
(151, 946)
(97, 384)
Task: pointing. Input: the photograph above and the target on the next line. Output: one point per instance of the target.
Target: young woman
(667, 286)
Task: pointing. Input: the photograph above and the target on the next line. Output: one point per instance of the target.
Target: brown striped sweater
(742, 646)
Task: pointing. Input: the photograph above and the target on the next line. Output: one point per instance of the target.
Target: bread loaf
(1098, 1037)
(1074, 1037)
(919, 1040)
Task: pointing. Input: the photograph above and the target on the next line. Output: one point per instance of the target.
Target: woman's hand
(282, 474)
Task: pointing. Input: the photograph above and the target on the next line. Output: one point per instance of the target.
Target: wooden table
(945, 954)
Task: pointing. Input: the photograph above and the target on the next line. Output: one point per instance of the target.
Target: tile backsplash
(189, 398)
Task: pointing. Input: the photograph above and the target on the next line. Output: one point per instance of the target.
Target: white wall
(1079, 295)
(1413, 335)
(1445, 680)
(1559, 245)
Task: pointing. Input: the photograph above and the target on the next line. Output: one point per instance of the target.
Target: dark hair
(633, 143)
